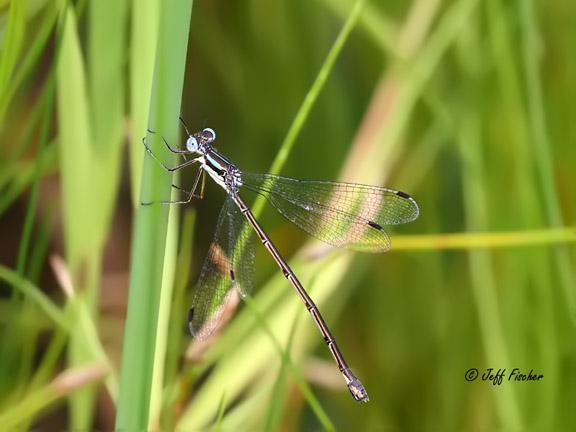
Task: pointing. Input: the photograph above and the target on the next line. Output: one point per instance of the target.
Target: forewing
(341, 214)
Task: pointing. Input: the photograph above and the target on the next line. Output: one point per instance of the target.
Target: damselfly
(340, 214)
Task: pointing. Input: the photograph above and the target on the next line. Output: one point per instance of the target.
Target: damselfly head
(208, 135)
(192, 144)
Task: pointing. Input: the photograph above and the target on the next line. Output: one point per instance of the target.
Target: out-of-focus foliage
(466, 105)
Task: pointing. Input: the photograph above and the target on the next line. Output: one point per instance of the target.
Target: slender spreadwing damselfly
(340, 214)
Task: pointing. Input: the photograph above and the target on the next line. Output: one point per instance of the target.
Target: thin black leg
(167, 168)
(191, 194)
(185, 127)
(172, 149)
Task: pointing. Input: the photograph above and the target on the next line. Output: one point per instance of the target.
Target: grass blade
(310, 99)
(151, 222)
(144, 35)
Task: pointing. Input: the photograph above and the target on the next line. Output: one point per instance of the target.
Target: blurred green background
(466, 105)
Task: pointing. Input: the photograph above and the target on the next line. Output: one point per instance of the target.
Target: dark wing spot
(375, 225)
(232, 276)
(403, 194)
(190, 318)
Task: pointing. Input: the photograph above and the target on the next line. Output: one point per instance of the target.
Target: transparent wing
(228, 271)
(341, 214)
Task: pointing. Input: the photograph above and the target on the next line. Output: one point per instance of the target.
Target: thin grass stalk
(149, 240)
(39, 400)
(483, 240)
(31, 291)
(380, 28)
(530, 272)
(12, 45)
(484, 285)
(28, 339)
(287, 363)
(41, 246)
(556, 267)
(11, 358)
(309, 100)
(278, 396)
(28, 60)
(50, 359)
(90, 344)
(541, 146)
(376, 145)
(38, 170)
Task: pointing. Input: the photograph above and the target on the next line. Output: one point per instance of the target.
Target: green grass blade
(144, 35)
(541, 145)
(34, 293)
(175, 339)
(11, 50)
(75, 145)
(82, 320)
(483, 240)
(30, 56)
(38, 170)
(83, 232)
(150, 230)
(381, 29)
(164, 318)
(28, 336)
(313, 402)
(483, 278)
(106, 89)
(42, 398)
(310, 98)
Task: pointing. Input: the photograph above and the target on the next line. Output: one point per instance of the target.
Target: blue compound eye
(208, 135)
(192, 144)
